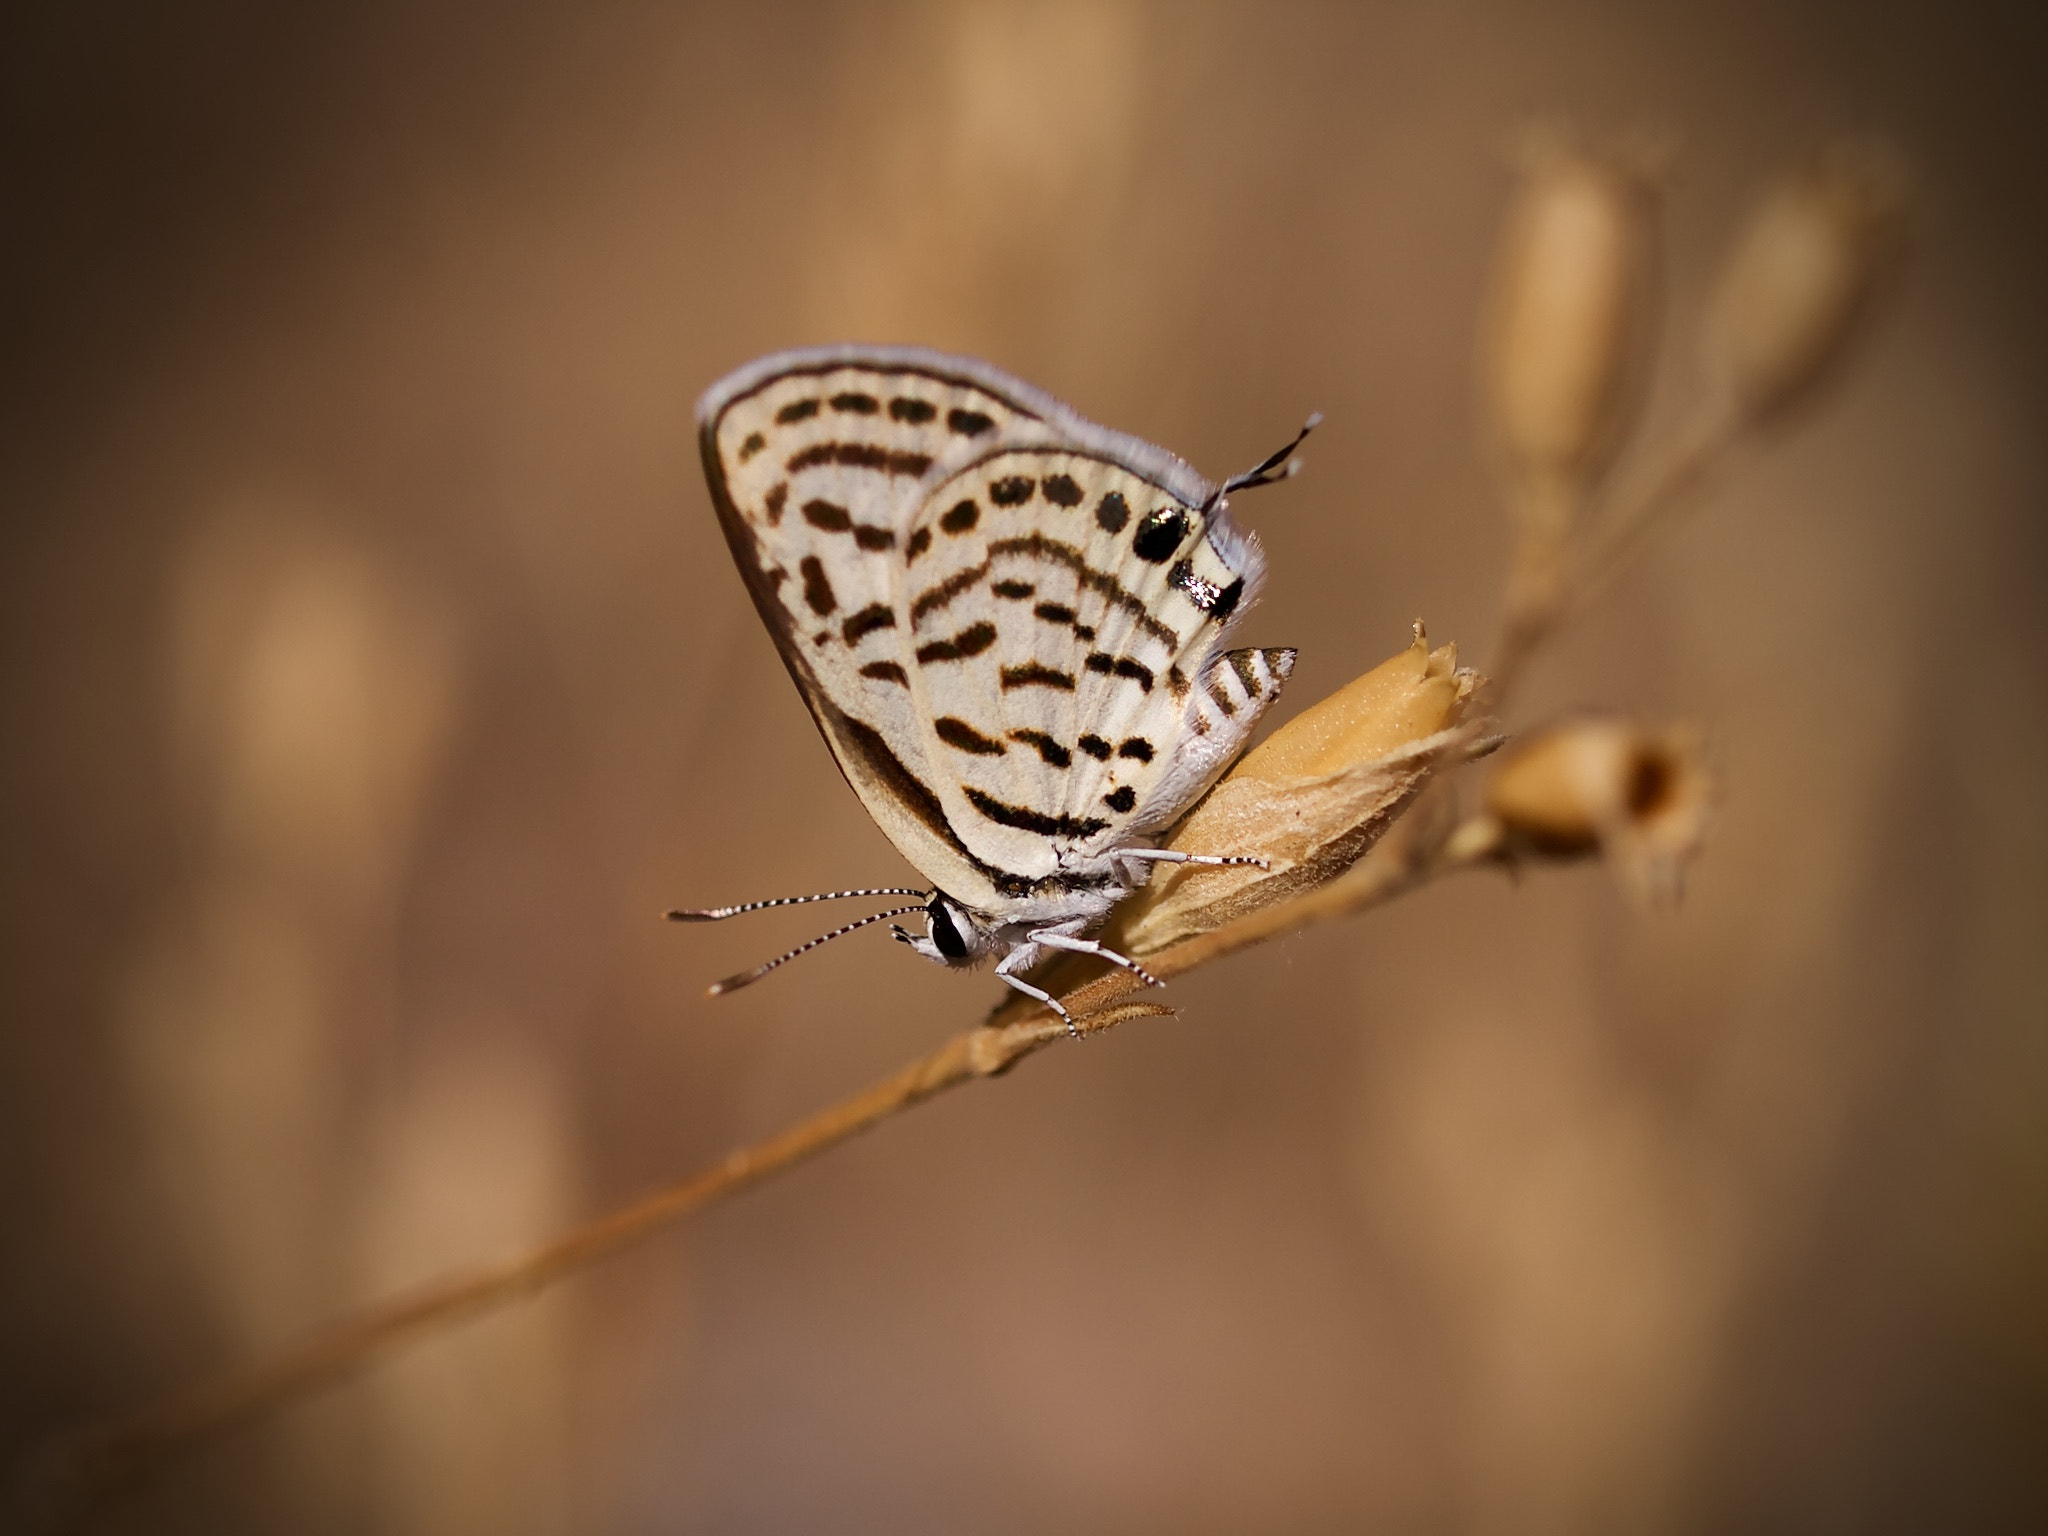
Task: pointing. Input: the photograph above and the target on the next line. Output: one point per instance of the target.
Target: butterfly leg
(1171, 856)
(1024, 954)
(1052, 938)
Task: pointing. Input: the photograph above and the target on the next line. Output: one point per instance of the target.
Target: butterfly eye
(944, 933)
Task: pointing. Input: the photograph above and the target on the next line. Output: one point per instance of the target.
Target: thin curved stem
(105, 1459)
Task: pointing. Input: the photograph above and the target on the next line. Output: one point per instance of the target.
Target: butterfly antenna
(747, 978)
(1274, 466)
(715, 914)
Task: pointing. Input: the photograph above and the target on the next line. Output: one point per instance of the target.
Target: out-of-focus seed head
(1800, 278)
(1608, 786)
(1573, 305)
(1311, 800)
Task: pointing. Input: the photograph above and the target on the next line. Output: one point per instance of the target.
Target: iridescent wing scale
(1004, 618)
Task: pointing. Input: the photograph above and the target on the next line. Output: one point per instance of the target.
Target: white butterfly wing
(1004, 618)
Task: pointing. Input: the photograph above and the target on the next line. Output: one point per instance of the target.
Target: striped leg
(1052, 938)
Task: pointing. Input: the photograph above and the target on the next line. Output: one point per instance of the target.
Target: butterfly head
(952, 935)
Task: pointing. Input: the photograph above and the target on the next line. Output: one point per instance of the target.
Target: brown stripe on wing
(1049, 749)
(955, 732)
(1034, 675)
(1024, 819)
(936, 597)
(1037, 546)
(830, 517)
(871, 618)
(1052, 551)
(1121, 666)
(971, 641)
(888, 461)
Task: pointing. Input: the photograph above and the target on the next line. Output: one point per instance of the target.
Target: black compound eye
(944, 933)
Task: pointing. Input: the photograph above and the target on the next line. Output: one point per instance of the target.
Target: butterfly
(1007, 622)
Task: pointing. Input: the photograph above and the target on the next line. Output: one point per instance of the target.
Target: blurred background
(375, 675)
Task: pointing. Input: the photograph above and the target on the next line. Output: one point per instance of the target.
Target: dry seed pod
(1312, 799)
(1799, 280)
(1573, 302)
(1610, 786)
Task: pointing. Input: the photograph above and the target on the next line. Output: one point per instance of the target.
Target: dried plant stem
(1552, 583)
(1546, 510)
(1669, 489)
(115, 1455)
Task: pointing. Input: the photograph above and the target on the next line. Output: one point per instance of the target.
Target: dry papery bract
(1599, 785)
(1312, 799)
(1801, 275)
(1573, 306)
(1566, 350)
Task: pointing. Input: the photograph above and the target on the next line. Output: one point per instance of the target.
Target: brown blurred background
(375, 675)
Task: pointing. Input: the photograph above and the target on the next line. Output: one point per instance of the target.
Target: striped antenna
(1281, 465)
(747, 978)
(715, 914)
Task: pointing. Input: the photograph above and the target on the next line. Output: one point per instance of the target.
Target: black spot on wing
(960, 517)
(968, 423)
(1112, 512)
(857, 403)
(920, 541)
(886, 672)
(1054, 613)
(817, 588)
(916, 412)
(955, 732)
(1061, 491)
(1137, 747)
(1226, 601)
(829, 516)
(1027, 820)
(1121, 800)
(1161, 533)
(1016, 591)
(777, 496)
(754, 444)
(1095, 747)
(873, 536)
(797, 410)
(1011, 490)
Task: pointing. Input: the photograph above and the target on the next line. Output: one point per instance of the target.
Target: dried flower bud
(1800, 277)
(1311, 800)
(1605, 786)
(1573, 302)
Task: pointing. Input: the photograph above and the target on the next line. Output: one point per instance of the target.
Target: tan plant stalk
(116, 1454)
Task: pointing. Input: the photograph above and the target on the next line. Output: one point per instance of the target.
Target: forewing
(818, 463)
